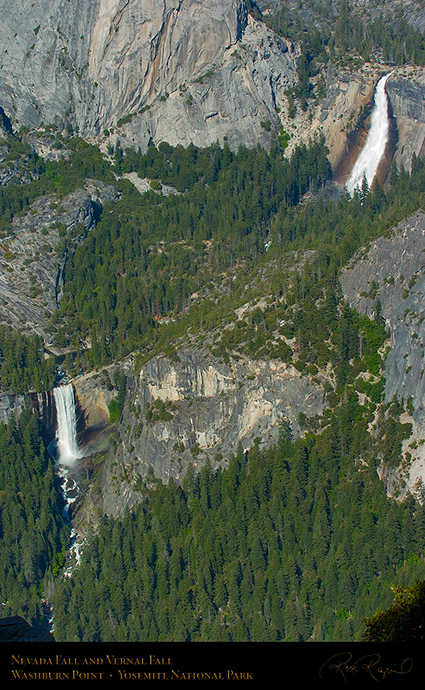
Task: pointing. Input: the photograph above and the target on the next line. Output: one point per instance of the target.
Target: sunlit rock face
(406, 93)
(196, 408)
(182, 71)
(176, 71)
(31, 272)
(343, 116)
(386, 280)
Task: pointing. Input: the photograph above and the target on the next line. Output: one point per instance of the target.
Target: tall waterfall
(66, 432)
(376, 141)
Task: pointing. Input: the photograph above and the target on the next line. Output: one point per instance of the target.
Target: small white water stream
(371, 154)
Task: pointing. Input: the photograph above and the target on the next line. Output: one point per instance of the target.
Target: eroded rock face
(342, 116)
(389, 275)
(177, 71)
(31, 269)
(181, 71)
(336, 114)
(11, 407)
(94, 392)
(406, 92)
(195, 408)
(391, 271)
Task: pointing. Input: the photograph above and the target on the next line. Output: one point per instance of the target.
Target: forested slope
(295, 543)
(282, 525)
(236, 253)
(299, 541)
(32, 530)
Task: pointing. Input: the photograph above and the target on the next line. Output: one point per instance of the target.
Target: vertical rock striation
(179, 70)
(388, 279)
(196, 408)
(406, 92)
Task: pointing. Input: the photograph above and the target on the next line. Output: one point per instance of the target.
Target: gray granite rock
(31, 269)
(196, 408)
(180, 70)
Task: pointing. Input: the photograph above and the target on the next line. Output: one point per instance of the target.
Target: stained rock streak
(367, 163)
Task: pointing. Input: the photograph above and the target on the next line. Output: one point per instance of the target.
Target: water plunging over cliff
(68, 452)
(367, 163)
(66, 432)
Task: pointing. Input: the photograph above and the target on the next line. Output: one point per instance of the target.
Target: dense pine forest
(33, 533)
(155, 251)
(22, 365)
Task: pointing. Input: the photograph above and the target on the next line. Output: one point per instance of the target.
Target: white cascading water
(66, 432)
(376, 141)
(67, 453)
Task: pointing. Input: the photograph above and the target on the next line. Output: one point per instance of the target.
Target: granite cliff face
(178, 71)
(181, 71)
(338, 113)
(32, 261)
(387, 280)
(388, 276)
(196, 408)
(342, 115)
(406, 93)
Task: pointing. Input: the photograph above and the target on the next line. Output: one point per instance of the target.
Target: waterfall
(68, 452)
(66, 432)
(376, 141)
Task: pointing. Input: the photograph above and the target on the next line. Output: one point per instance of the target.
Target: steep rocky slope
(185, 71)
(178, 71)
(32, 259)
(342, 116)
(386, 280)
(182, 72)
(406, 93)
(192, 409)
(388, 277)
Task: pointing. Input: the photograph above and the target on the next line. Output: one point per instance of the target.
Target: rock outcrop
(338, 113)
(11, 406)
(406, 93)
(93, 394)
(32, 261)
(177, 71)
(195, 407)
(387, 280)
